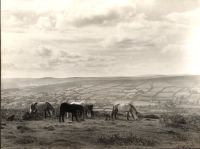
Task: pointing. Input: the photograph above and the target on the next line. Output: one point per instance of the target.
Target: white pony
(126, 107)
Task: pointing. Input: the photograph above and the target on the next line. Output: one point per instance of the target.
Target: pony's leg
(112, 115)
(79, 114)
(83, 116)
(83, 113)
(49, 112)
(59, 118)
(92, 113)
(128, 115)
(76, 116)
(63, 116)
(86, 113)
(72, 116)
(116, 114)
(45, 114)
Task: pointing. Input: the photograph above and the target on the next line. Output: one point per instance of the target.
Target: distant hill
(142, 90)
(8, 83)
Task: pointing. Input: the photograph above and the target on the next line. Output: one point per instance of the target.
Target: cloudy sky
(67, 38)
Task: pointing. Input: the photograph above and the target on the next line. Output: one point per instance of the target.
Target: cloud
(66, 59)
(44, 52)
(100, 61)
(46, 22)
(142, 33)
(57, 15)
(64, 54)
(109, 16)
(9, 66)
(173, 48)
(188, 17)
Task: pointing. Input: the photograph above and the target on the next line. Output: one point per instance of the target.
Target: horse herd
(80, 110)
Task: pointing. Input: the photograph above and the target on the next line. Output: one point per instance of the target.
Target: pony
(42, 107)
(74, 109)
(88, 108)
(129, 108)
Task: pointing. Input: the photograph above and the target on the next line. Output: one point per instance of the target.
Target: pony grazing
(74, 109)
(129, 108)
(88, 108)
(42, 108)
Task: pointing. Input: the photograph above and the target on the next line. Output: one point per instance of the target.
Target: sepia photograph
(100, 74)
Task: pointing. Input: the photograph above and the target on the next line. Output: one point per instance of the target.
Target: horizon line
(146, 75)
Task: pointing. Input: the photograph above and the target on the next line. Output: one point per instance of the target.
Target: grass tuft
(116, 139)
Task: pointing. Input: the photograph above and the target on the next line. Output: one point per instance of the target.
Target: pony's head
(33, 108)
(51, 108)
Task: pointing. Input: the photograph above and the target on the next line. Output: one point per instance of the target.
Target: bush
(26, 140)
(49, 128)
(23, 128)
(173, 120)
(7, 113)
(181, 137)
(116, 139)
(151, 116)
(180, 121)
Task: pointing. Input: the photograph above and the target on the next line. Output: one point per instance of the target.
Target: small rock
(11, 118)
(50, 128)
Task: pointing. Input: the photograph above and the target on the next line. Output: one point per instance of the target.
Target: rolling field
(174, 100)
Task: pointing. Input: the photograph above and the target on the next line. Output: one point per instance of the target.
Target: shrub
(23, 128)
(173, 120)
(181, 137)
(130, 139)
(26, 140)
(49, 128)
(180, 121)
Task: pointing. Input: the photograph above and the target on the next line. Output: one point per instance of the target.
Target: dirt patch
(9, 137)
(26, 140)
(67, 143)
(23, 128)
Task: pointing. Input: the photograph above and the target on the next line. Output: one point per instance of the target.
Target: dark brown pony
(88, 108)
(74, 109)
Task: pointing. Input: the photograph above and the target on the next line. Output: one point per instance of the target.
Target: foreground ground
(97, 133)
